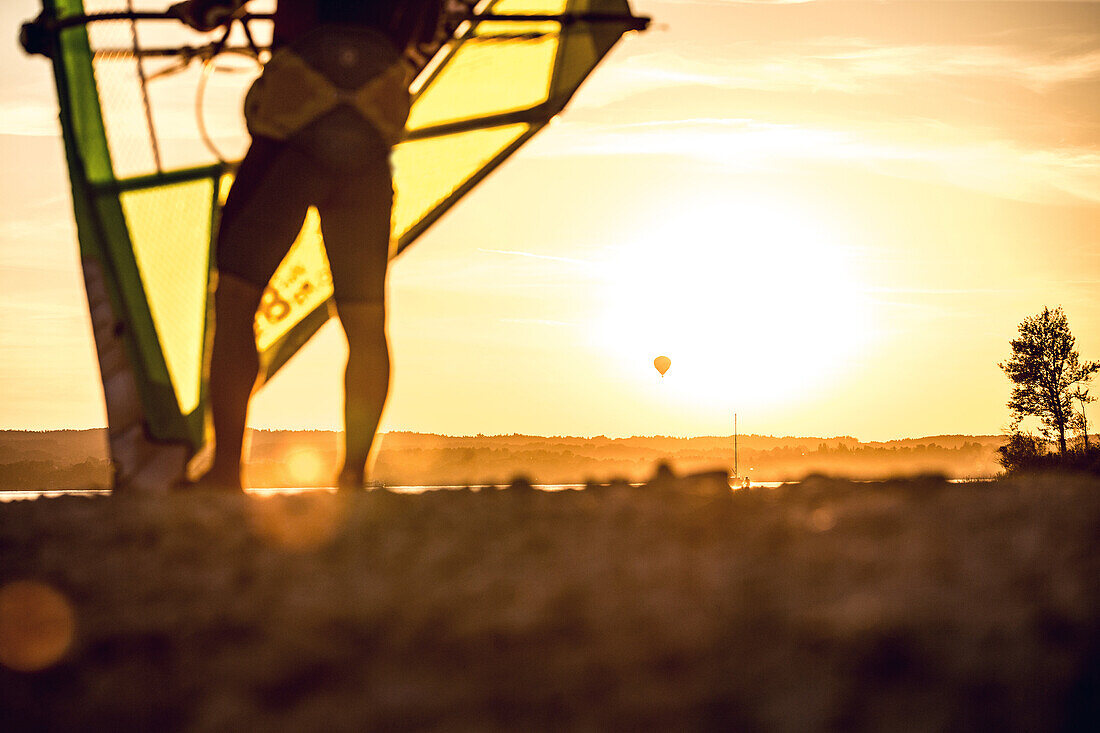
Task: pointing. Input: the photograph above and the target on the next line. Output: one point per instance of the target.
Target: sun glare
(754, 301)
(305, 466)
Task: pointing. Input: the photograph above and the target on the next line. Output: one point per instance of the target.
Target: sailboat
(737, 481)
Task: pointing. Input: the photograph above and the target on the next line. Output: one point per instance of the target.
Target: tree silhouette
(1047, 374)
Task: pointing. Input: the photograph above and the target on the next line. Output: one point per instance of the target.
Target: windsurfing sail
(151, 115)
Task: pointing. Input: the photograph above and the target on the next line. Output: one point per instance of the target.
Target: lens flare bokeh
(37, 625)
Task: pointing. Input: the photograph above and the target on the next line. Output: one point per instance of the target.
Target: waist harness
(340, 93)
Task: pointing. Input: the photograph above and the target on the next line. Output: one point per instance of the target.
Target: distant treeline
(71, 458)
(427, 459)
(55, 459)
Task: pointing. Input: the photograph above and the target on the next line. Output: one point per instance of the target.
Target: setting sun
(753, 300)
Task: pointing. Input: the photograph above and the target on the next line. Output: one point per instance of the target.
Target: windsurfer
(326, 112)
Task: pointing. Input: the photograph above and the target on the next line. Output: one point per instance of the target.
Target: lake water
(53, 493)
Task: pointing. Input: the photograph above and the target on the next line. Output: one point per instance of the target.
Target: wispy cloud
(940, 291)
(28, 119)
(532, 255)
(865, 62)
(997, 167)
(459, 272)
(851, 65)
(537, 321)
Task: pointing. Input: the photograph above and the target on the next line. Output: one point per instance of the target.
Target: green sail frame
(128, 332)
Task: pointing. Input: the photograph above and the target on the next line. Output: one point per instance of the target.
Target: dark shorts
(274, 188)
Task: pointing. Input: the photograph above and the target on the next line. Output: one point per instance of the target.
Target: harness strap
(291, 94)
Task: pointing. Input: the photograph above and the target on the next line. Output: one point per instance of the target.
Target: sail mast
(735, 472)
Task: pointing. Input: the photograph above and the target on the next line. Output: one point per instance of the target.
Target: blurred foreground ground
(909, 605)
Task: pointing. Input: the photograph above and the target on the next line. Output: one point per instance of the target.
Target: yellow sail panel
(530, 7)
(300, 285)
(503, 67)
(169, 228)
(430, 170)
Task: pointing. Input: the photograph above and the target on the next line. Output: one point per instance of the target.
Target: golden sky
(831, 215)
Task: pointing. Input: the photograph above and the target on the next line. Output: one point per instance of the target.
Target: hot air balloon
(662, 363)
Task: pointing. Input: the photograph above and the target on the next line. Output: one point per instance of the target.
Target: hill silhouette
(78, 458)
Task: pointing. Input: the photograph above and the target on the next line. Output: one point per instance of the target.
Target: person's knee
(364, 324)
(235, 302)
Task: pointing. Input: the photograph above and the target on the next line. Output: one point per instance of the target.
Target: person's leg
(267, 204)
(366, 386)
(355, 222)
(234, 365)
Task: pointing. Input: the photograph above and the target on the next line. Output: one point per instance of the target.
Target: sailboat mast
(735, 472)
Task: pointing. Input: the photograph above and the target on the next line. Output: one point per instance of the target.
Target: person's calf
(233, 370)
(366, 385)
